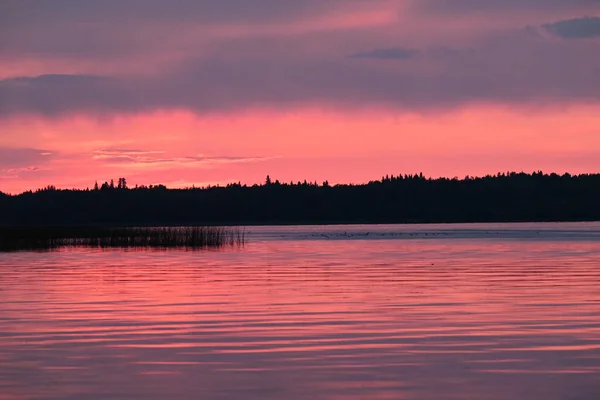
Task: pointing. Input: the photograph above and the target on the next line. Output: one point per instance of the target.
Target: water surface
(488, 311)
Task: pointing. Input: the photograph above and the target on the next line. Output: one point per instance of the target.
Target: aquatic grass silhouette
(190, 237)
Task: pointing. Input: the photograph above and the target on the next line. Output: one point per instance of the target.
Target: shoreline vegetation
(53, 238)
(504, 197)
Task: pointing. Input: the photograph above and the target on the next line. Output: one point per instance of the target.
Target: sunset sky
(197, 92)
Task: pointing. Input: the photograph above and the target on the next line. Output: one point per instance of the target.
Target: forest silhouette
(505, 197)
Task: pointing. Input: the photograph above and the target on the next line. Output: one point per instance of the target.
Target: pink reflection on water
(305, 319)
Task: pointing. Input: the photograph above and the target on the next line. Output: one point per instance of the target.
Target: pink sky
(345, 91)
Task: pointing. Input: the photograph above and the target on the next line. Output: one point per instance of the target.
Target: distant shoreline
(409, 199)
(276, 224)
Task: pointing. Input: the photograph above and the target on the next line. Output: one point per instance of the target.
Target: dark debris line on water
(192, 237)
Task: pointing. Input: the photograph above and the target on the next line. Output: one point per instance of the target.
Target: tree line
(415, 198)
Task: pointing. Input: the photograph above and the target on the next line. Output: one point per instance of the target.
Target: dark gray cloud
(397, 53)
(466, 6)
(282, 70)
(245, 74)
(578, 28)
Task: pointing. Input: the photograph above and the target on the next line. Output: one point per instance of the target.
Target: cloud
(23, 159)
(465, 6)
(116, 28)
(394, 53)
(54, 93)
(578, 28)
(19, 11)
(55, 80)
(143, 158)
(509, 68)
(17, 171)
(103, 154)
(186, 66)
(19, 163)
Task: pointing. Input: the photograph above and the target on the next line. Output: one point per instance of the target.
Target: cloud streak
(18, 163)
(144, 159)
(395, 53)
(578, 28)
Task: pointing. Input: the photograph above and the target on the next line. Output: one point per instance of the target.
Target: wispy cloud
(395, 53)
(111, 153)
(19, 173)
(145, 158)
(14, 171)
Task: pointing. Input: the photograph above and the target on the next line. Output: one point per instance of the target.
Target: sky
(199, 92)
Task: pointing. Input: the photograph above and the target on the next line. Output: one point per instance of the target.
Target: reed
(189, 237)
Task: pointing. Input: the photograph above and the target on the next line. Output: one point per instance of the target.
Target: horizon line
(269, 181)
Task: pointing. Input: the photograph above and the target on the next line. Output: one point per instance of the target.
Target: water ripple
(450, 318)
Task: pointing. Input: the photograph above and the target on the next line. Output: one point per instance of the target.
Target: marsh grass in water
(47, 238)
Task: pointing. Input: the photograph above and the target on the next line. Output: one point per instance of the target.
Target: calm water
(359, 312)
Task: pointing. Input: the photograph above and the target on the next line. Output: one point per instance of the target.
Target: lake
(482, 311)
